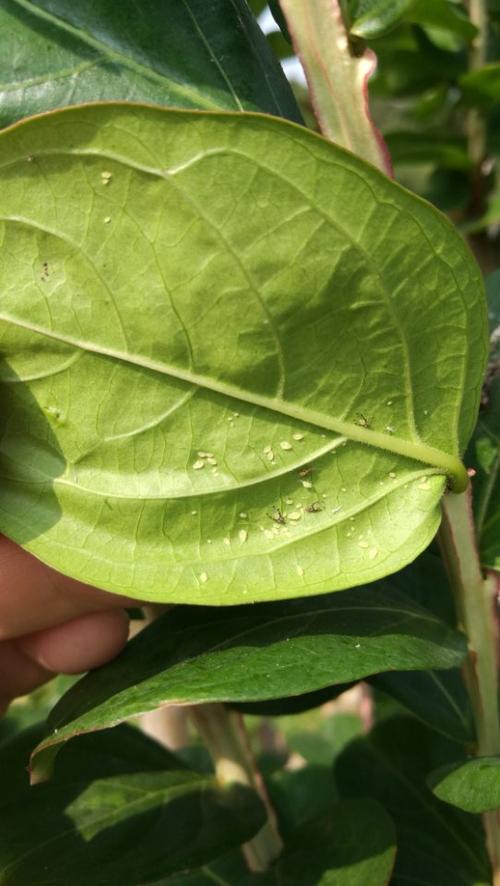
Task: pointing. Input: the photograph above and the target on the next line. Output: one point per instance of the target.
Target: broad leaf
(436, 843)
(352, 845)
(473, 786)
(195, 655)
(123, 805)
(211, 420)
(438, 698)
(186, 53)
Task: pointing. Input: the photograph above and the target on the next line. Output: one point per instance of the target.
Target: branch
(337, 78)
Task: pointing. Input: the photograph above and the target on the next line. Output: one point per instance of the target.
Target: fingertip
(81, 644)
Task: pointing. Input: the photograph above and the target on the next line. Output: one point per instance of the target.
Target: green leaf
(295, 704)
(442, 18)
(352, 845)
(482, 86)
(279, 45)
(410, 64)
(195, 655)
(279, 18)
(144, 320)
(493, 295)
(436, 843)
(371, 18)
(485, 446)
(185, 53)
(473, 786)
(299, 795)
(438, 698)
(120, 803)
(486, 449)
(408, 147)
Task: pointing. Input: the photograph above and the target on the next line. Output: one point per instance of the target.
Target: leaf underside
(238, 362)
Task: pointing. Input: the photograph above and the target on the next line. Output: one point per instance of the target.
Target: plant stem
(475, 598)
(224, 734)
(337, 77)
(475, 123)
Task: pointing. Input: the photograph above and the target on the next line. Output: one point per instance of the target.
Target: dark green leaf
(482, 86)
(485, 447)
(279, 18)
(186, 53)
(427, 147)
(119, 810)
(279, 45)
(438, 698)
(301, 794)
(473, 786)
(425, 581)
(352, 845)
(196, 654)
(330, 383)
(371, 18)
(295, 704)
(257, 6)
(437, 844)
(486, 483)
(493, 294)
(409, 64)
(444, 17)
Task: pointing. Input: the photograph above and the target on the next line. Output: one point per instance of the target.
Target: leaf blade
(194, 656)
(434, 840)
(183, 54)
(260, 442)
(126, 803)
(473, 786)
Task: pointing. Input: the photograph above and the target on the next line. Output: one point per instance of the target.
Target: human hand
(51, 624)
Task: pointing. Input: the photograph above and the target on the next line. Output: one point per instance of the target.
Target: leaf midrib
(448, 464)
